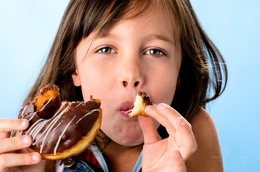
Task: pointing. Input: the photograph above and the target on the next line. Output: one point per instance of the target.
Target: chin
(125, 134)
(127, 139)
(131, 143)
(131, 140)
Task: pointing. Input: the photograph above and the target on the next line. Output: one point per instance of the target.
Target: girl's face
(139, 54)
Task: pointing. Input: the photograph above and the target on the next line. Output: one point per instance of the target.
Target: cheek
(164, 87)
(166, 94)
(163, 80)
(93, 82)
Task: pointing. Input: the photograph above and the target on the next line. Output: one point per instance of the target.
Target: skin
(10, 148)
(135, 55)
(126, 67)
(208, 155)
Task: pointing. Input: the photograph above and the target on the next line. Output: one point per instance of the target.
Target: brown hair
(202, 71)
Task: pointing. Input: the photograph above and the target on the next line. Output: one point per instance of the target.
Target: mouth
(125, 108)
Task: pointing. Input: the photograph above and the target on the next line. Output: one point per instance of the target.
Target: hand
(13, 155)
(169, 154)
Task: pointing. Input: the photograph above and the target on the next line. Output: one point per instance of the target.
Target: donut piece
(141, 100)
(47, 101)
(60, 129)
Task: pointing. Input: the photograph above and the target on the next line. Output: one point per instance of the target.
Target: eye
(106, 50)
(154, 52)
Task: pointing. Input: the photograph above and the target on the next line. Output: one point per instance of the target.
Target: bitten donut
(141, 100)
(60, 129)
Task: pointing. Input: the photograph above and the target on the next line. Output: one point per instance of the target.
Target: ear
(76, 78)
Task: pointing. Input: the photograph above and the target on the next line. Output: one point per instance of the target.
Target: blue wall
(234, 26)
(27, 29)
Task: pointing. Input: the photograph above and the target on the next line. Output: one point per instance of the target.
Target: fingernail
(35, 157)
(147, 108)
(176, 154)
(25, 140)
(182, 121)
(24, 123)
(162, 106)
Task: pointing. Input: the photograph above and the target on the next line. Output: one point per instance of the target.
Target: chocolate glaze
(146, 98)
(56, 126)
(73, 120)
(28, 111)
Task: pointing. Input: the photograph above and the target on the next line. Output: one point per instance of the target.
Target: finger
(149, 129)
(185, 138)
(8, 125)
(14, 159)
(179, 129)
(178, 162)
(153, 112)
(165, 115)
(15, 143)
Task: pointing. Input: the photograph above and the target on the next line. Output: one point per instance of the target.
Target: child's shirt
(90, 160)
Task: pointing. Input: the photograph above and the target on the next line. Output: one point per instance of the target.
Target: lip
(125, 108)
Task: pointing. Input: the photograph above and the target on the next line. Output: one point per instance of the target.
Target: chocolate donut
(60, 129)
(141, 100)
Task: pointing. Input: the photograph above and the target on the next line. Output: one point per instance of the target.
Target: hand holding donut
(169, 154)
(13, 155)
(53, 124)
(46, 127)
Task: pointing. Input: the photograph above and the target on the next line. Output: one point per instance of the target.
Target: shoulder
(204, 130)
(202, 119)
(208, 154)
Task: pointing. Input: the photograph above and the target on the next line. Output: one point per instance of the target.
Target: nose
(131, 74)
(136, 83)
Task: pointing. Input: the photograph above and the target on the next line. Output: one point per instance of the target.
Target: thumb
(149, 129)
(178, 162)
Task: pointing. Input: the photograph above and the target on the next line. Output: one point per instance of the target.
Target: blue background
(27, 29)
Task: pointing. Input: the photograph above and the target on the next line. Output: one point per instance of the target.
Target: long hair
(203, 72)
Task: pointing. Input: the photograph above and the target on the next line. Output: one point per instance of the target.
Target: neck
(121, 158)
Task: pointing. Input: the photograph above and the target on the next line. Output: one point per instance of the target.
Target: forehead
(153, 25)
(141, 10)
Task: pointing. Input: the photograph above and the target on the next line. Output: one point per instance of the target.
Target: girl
(113, 49)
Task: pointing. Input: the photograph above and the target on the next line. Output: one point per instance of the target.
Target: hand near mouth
(171, 153)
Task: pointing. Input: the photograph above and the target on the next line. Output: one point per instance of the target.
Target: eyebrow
(149, 37)
(161, 37)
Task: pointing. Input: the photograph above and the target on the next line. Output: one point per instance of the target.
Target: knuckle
(7, 124)
(26, 159)
(15, 142)
(3, 161)
(10, 160)
(3, 123)
(193, 148)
